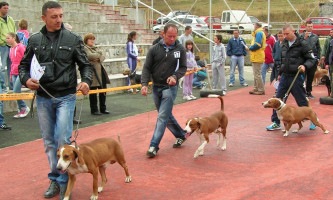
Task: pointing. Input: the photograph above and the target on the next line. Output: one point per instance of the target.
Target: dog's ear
(79, 156)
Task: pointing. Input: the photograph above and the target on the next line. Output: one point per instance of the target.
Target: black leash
(291, 85)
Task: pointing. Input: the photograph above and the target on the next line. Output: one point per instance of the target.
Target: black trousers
(309, 74)
(101, 96)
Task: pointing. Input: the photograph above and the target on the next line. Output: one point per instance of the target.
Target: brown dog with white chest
(215, 123)
(91, 158)
(293, 115)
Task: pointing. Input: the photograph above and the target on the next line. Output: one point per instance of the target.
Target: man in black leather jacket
(56, 49)
(295, 55)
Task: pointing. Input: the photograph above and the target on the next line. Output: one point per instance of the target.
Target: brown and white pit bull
(215, 123)
(291, 115)
(90, 158)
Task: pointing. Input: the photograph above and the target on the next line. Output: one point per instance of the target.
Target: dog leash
(291, 85)
(76, 133)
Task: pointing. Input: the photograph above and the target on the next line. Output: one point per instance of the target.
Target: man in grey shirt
(186, 36)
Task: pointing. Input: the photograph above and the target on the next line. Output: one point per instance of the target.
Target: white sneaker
(25, 112)
(192, 97)
(187, 98)
(244, 84)
(18, 114)
(224, 93)
(231, 85)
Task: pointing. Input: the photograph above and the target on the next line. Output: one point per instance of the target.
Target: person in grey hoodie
(166, 64)
(219, 56)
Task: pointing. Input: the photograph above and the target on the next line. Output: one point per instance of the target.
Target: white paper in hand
(276, 84)
(36, 71)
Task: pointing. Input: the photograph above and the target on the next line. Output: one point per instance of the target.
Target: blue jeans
(56, 125)
(264, 69)
(164, 98)
(297, 91)
(17, 89)
(237, 60)
(197, 80)
(5, 61)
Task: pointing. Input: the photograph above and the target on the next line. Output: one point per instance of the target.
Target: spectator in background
(3, 125)
(23, 33)
(326, 47)
(277, 56)
(186, 36)
(257, 56)
(199, 75)
(132, 54)
(16, 54)
(269, 62)
(160, 36)
(219, 56)
(7, 25)
(236, 50)
(75, 121)
(313, 41)
(100, 77)
(191, 65)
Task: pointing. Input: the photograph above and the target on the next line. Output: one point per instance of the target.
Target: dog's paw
(326, 132)
(295, 131)
(94, 197)
(201, 153)
(196, 154)
(223, 148)
(286, 135)
(100, 189)
(128, 179)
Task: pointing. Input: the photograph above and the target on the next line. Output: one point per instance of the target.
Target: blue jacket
(277, 53)
(236, 48)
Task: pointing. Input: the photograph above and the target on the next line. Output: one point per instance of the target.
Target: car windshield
(200, 21)
(182, 13)
(253, 19)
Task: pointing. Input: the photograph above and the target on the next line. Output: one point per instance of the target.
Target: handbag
(49, 67)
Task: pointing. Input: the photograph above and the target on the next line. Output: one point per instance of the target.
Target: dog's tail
(218, 96)
(119, 139)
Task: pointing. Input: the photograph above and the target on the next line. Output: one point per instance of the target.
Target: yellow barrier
(23, 96)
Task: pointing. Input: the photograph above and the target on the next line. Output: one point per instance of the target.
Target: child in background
(200, 75)
(16, 54)
(219, 56)
(191, 65)
(23, 33)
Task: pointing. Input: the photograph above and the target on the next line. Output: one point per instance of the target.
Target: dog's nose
(185, 131)
(59, 168)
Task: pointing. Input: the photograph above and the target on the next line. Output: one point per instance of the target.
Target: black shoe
(179, 142)
(63, 189)
(76, 121)
(5, 127)
(105, 112)
(96, 113)
(309, 95)
(52, 191)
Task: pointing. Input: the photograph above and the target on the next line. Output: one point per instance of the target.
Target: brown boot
(253, 91)
(259, 93)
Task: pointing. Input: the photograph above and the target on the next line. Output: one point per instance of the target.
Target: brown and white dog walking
(91, 158)
(215, 123)
(292, 115)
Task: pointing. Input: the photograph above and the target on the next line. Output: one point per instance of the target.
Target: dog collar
(282, 105)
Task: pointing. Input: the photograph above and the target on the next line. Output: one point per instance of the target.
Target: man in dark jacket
(56, 49)
(313, 42)
(166, 64)
(295, 54)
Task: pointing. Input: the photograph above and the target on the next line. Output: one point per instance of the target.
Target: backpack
(22, 38)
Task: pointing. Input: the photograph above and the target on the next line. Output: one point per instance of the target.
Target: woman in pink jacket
(16, 54)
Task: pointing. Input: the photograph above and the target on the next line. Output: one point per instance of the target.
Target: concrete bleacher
(110, 27)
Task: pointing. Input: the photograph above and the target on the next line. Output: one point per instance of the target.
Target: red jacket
(270, 41)
(16, 54)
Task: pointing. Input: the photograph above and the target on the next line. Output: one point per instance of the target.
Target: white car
(194, 21)
(255, 20)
